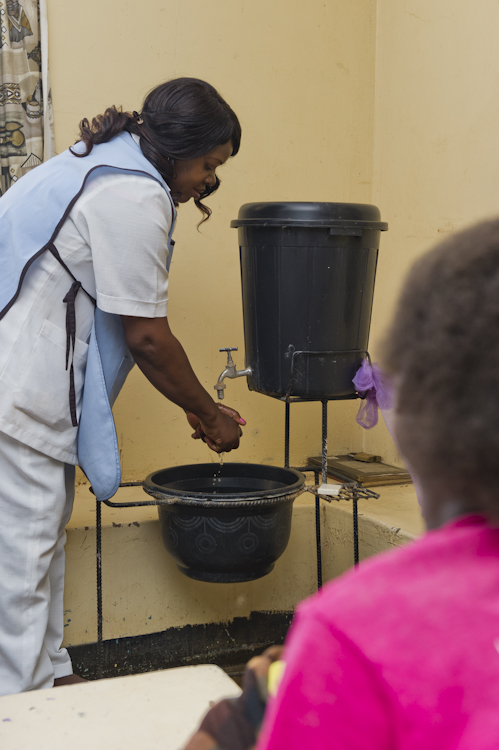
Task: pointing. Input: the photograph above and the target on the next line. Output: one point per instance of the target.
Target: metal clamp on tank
(229, 372)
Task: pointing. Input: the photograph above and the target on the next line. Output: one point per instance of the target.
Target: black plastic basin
(226, 523)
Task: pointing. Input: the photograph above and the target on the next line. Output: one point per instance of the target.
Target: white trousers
(36, 499)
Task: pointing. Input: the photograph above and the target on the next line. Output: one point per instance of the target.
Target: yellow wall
(300, 77)
(335, 104)
(436, 136)
(393, 103)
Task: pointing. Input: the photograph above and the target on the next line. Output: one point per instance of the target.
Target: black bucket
(307, 273)
(225, 523)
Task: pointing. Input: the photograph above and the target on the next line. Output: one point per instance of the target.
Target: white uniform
(115, 241)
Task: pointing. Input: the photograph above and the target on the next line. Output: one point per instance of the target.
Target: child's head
(443, 350)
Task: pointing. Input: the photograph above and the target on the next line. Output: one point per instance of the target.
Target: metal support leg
(318, 541)
(324, 442)
(355, 529)
(100, 645)
(286, 437)
(317, 499)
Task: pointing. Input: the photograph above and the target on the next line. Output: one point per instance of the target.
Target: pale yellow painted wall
(301, 79)
(436, 155)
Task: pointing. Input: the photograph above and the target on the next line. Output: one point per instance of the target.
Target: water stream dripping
(216, 475)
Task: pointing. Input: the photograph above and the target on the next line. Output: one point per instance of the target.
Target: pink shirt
(400, 654)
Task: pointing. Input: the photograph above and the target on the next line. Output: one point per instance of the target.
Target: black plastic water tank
(307, 273)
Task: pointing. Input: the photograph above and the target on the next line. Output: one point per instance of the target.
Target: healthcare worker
(85, 248)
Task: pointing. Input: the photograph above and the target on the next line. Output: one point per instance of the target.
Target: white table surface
(157, 710)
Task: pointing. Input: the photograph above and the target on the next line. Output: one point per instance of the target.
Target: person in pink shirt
(403, 652)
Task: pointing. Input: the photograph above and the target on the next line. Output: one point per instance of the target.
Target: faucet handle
(229, 349)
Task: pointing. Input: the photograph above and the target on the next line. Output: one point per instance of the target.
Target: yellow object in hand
(276, 670)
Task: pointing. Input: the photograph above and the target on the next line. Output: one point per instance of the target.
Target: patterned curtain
(26, 126)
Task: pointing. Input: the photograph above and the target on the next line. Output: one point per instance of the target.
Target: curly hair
(181, 119)
(443, 350)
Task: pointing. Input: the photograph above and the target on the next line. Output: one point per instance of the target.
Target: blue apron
(32, 212)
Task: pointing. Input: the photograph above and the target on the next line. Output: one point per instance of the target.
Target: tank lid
(304, 214)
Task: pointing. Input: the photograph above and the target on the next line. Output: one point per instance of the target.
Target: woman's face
(193, 176)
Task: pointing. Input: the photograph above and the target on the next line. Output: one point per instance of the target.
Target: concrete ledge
(143, 591)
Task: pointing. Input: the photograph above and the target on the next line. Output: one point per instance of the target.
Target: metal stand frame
(98, 539)
(349, 491)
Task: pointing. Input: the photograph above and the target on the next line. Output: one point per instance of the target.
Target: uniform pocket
(43, 389)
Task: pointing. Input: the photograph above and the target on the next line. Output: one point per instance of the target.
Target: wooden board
(346, 469)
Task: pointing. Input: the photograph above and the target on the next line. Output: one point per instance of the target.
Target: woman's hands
(163, 361)
(221, 436)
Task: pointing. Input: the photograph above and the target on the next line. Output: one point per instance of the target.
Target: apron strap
(70, 300)
(55, 253)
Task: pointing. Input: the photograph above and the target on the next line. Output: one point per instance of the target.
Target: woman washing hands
(85, 252)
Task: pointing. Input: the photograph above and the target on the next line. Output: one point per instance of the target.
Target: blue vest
(39, 204)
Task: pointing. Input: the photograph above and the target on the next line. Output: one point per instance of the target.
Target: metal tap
(229, 372)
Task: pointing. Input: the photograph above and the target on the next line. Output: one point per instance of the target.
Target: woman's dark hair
(443, 350)
(181, 119)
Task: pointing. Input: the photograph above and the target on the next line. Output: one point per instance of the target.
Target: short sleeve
(329, 696)
(125, 219)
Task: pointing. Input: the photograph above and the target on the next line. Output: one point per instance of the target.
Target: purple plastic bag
(364, 377)
(384, 388)
(378, 388)
(367, 416)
